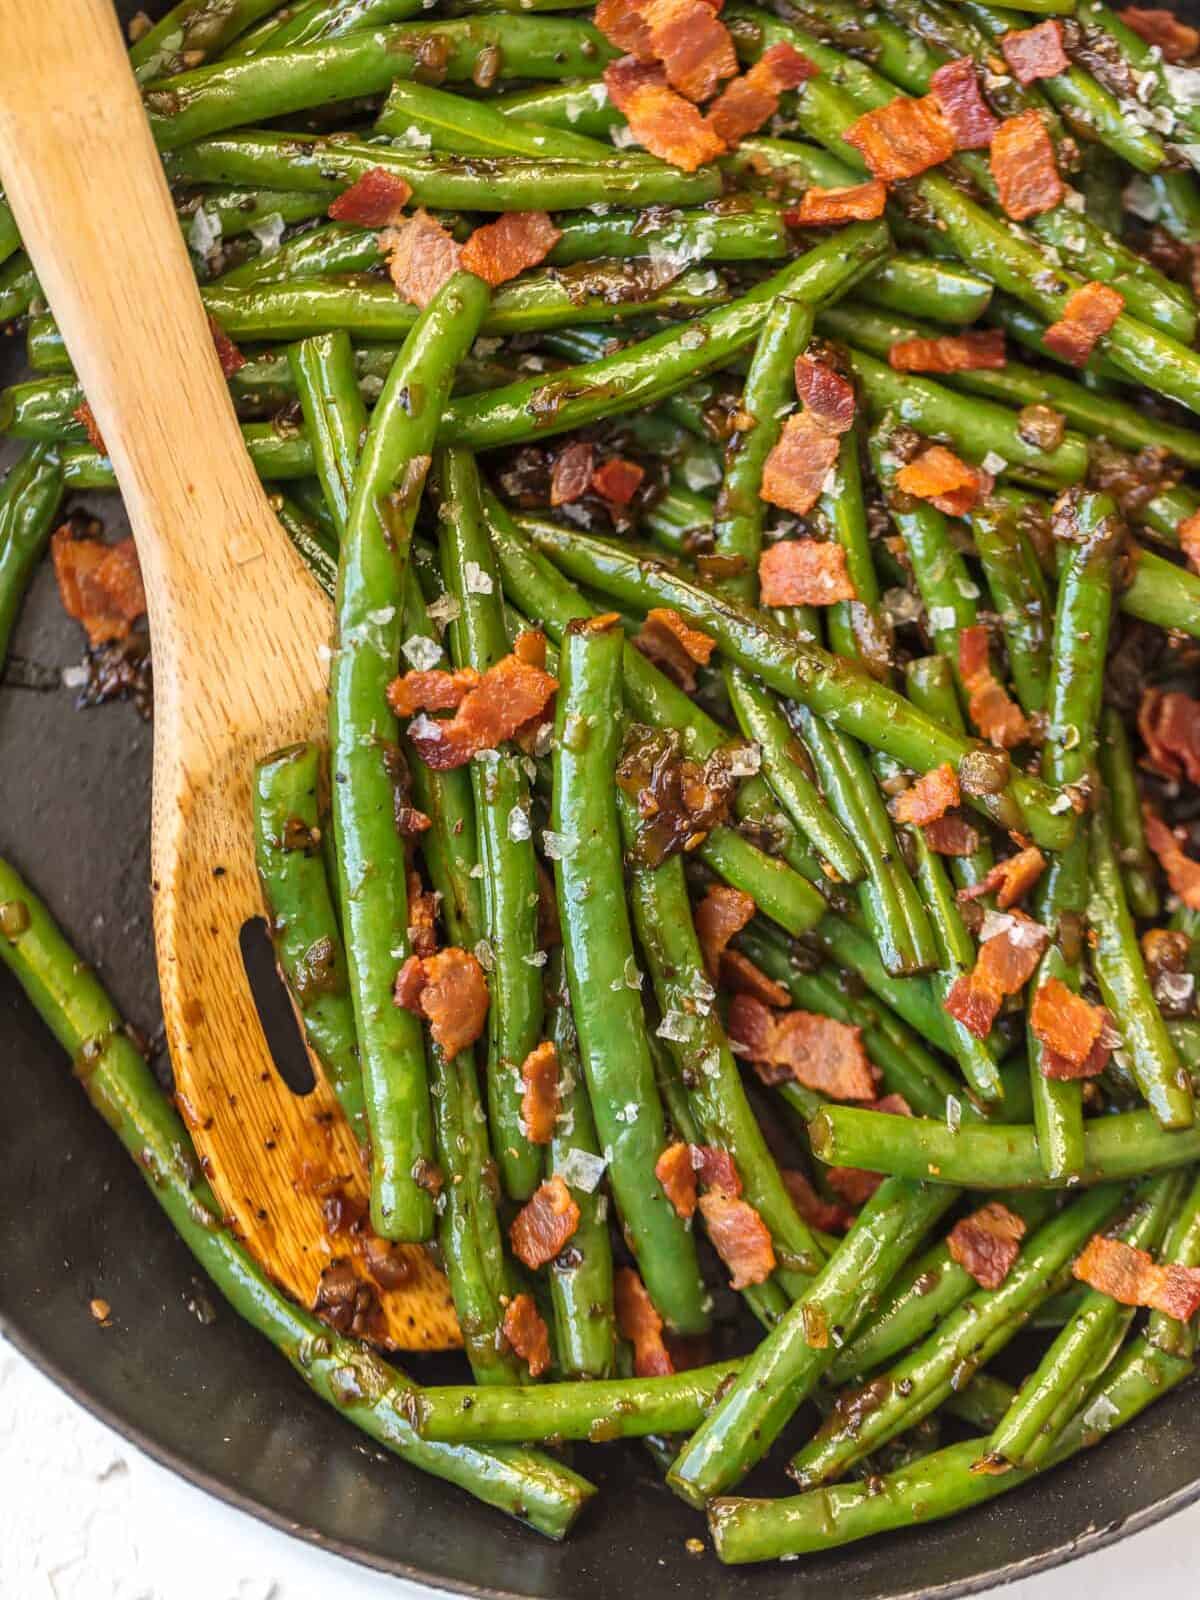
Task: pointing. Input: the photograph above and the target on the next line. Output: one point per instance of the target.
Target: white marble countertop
(87, 1517)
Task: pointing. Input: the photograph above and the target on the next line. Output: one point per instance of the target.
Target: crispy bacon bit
(989, 706)
(739, 1236)
(1183, 874)
(795, 471)
(952, 836)
(740, 976)
(1163, 29)
(1009, 880)
(749, 101)
(819, 1052)
(853, 1184)
(376, 200)
(1022, 160)
(937, 475)
(679, 800)
(1066, 1024)
(955, 87)
(529, 647)
(929, 798)
(662, 121)
(1035, 53)
(981, 351)
(539, 1101)
(826, 208)
(903, 138)
(450, 991)
(825, 395)
(616, 480)
(421, 256)
(422, 911)
(502, 249)
(1169, 723)
(621, 22)
(1087, 316)
(1006, 963)
(674, 1170)
(229, 357)
(828, 1216)
(571, 474)
(804, 572)
(674, 647)
(987, 1243)
(715, 1169)
(527, 1333)
(640, 1323)
(86, 418)
(432, 690)
(1133, 1277)
(694, 46)
(722, 913)
(99, 584)
(507, 696)
(1189, 539)
(544, 1224)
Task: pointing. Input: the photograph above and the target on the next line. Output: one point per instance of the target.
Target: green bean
(721, 230)
(1028, 328)
(319, 19)
(473, 127)
(371, 865)
(783, 1370)
(119, 1083)
(584, 107)
(334, 248)
(29, 499)
(18, 287)
(192, 31)
(916, 287)
(315, 548)
(605, 995)
(1129, 834)
(1163, 593)
(10, 239)
(1181, 1245)
(334, 415)
(225, 94)
(1019, 596)
(856, 628)
(277, 456)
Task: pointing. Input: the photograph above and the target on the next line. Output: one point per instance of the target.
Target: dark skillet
(209, 1399)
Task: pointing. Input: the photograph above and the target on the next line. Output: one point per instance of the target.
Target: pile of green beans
(691, 882)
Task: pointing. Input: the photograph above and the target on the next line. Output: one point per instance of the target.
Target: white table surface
(87, 1517)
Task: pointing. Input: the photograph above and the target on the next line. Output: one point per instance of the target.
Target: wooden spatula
(240, 633)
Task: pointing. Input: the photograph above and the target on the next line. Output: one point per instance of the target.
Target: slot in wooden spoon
(240, 632)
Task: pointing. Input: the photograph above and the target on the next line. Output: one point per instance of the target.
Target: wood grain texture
(240, 633)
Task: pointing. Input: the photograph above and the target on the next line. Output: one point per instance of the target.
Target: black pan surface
(208, 1398)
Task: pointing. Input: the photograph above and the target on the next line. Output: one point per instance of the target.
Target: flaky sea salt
(580, 1169)
(421, 653)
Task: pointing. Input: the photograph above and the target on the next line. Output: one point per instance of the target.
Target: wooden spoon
(240, 632)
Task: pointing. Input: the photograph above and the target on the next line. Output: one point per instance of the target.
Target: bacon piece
(749, 101)
(1009, 880)
(694, 46)
(825, 394)
(1087, 316)
(86, 418)
(987, 1243)
(622, 24)
(1133, 1277)
(853, 1184)
(819, 1052)
(432, 690)
(903, 138)
(937, 475)
(1065, 1022)
(1189, 539)
(640, 1323)
(422, 909)
(989, 706)
(661, 121)
(1183, 874)
(740, 976)
(715, 1169)
(1005, 964)
(952, 836)
(1035, 53)
(539, 1101)
(526, 1332)
(828, 1216)
(616, 480)
(571, 474)
(955, 87)
(979, 351)
(1023, 165)
(507, 697)
(1169, 723)
(500, 250)
(722, 913)
(675, 1171)
(421, 256)
(674, 647)
(1062, 1070)
(544, 1224)
(826, 208)
(1175, 39)
(450, 991)
(804, 572)
(229, 358)
(795, 471)
(739, 1236)
(929, 798)
(376, 200)
(100, 585)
